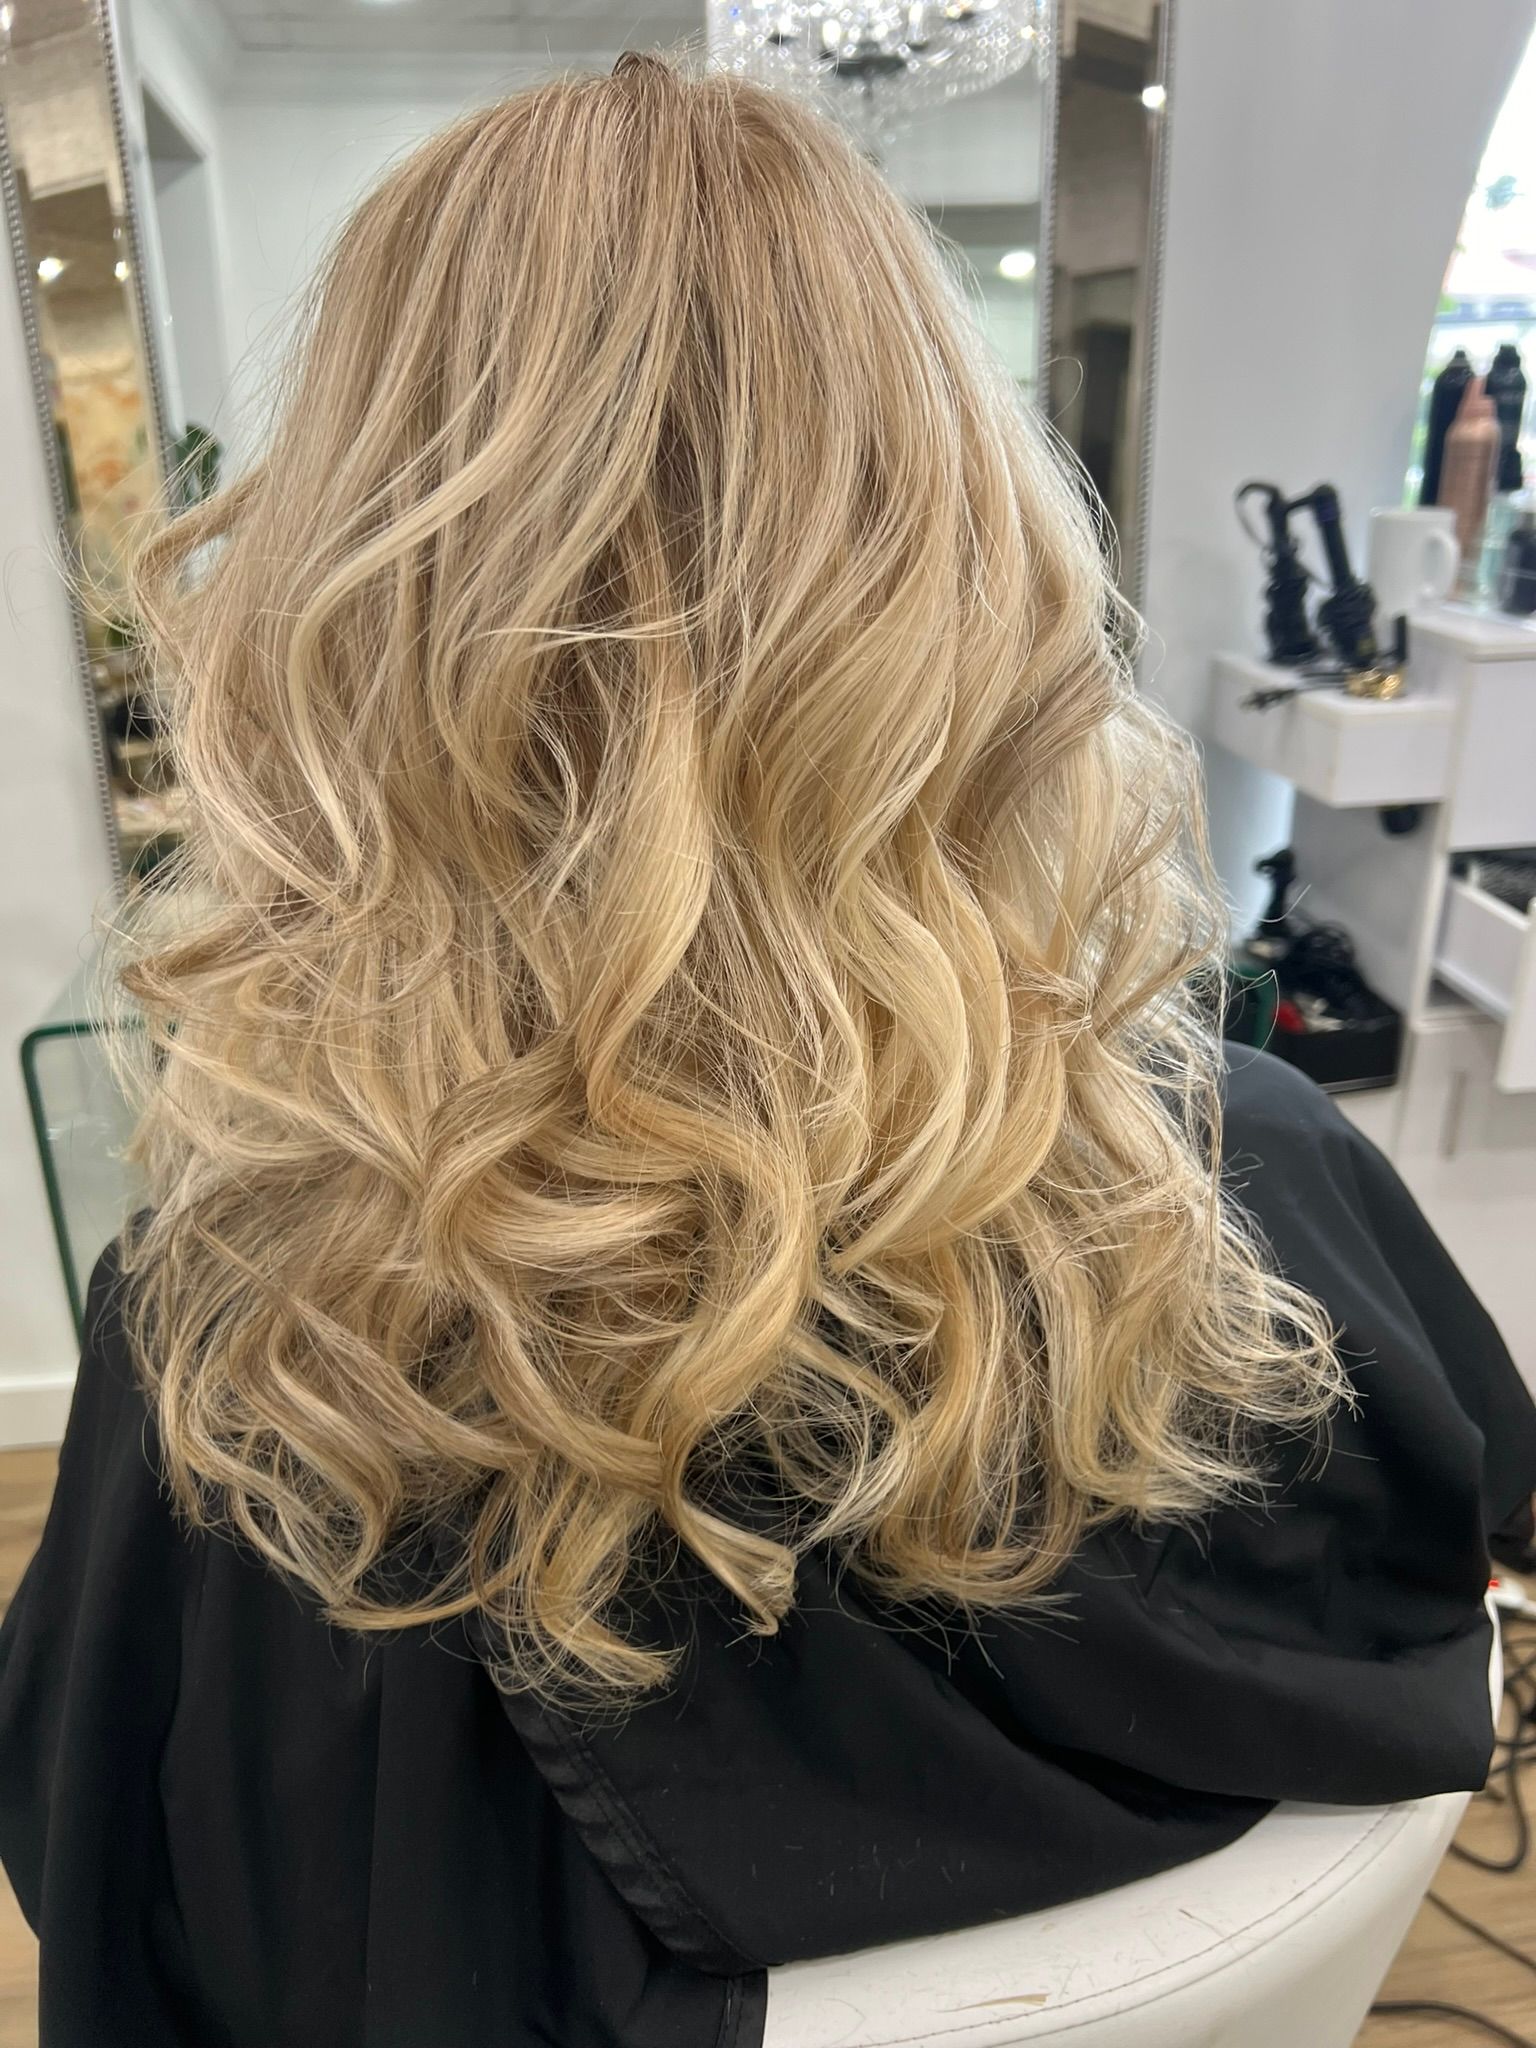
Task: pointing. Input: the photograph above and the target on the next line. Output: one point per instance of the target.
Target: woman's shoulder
(1262, 1094)
(110, 1426)
(1300, 1169)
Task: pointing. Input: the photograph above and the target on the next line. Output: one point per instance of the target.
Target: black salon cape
(235, 1828)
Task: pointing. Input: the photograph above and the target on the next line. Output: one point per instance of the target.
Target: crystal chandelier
(877, 64)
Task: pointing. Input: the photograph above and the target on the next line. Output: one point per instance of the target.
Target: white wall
(54, 867)
(180, 55)
(296, 152)
(190, 265)
(1321, 159)
(291, 170)
(973, 152)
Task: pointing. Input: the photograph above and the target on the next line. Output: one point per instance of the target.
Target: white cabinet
(1486, 951)
(1460, 743)
(1484, 669)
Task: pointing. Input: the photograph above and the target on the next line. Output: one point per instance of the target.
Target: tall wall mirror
(73, 233)
(1111, 84)
(176, 168)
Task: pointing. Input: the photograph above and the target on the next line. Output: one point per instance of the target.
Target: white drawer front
(1487, 953)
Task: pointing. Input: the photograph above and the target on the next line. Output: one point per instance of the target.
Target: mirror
(950, 100)
(1111, 82)
(73, 235)
(176, 169)
(300, 108)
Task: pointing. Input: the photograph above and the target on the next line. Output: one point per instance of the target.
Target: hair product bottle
(1506, 387)
(1517, 577)
(1466, 474)
(1444, 396)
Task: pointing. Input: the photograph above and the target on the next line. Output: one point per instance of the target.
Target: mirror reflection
(955, 122)
(1112, 104)
(258, 127)
(251, 128)
(71, 214)
(313, 101)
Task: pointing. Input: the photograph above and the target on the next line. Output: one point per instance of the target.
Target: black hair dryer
(1288, 634)
(1348, 614)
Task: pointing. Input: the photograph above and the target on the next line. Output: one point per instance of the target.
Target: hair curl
(686, 962)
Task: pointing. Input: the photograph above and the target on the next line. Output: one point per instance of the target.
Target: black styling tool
(1347, 615)
(1290, 640)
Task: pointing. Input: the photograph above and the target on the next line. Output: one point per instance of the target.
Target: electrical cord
(1464, 2013)
(1504, 1866)
(1518, 1670)
(1483, 1933)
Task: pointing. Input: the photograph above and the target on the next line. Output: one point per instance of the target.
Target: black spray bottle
(1505, 385)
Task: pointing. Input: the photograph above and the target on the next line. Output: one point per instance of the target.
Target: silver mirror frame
(102, 16)
(1133, 567)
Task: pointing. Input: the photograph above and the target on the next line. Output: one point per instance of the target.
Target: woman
(690, 1393)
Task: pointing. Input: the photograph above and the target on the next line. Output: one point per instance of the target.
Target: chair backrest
(1280, 1938)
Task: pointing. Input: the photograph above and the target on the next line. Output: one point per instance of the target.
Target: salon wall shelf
(1339, 749)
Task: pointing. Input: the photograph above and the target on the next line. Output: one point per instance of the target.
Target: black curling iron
(1348, 614)
(1287, 631)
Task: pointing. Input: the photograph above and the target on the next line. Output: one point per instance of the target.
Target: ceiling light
(120, 272)
(1017, 265)
(878, 63)
(50, 268)
(1154, 98)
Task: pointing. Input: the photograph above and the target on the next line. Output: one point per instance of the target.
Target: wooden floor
(1438, 1961)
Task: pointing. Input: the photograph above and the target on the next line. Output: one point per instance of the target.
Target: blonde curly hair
(679, 1020)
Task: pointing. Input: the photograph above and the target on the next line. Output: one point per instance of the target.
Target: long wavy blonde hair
(680, 1019)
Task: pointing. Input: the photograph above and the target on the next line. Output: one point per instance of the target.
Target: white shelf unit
(1461, 743)
(1344, 751)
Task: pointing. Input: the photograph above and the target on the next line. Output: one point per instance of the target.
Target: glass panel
(82, 1124)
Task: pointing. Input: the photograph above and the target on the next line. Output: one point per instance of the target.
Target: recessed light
(50, 267)
(1017, 265)
(1154, 98)
(120, 272)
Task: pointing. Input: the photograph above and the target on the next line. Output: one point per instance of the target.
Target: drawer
(1487, 952)
(1486, 664)
(1341, 750)
(1494, 800)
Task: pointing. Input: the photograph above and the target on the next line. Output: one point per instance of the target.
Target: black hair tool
(1348, 614)
(1274, 934)
(1291, 641)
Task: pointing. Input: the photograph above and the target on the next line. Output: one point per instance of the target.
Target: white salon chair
(1281, 1939)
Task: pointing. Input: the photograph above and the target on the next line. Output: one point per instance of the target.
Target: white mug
(1413, 559)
